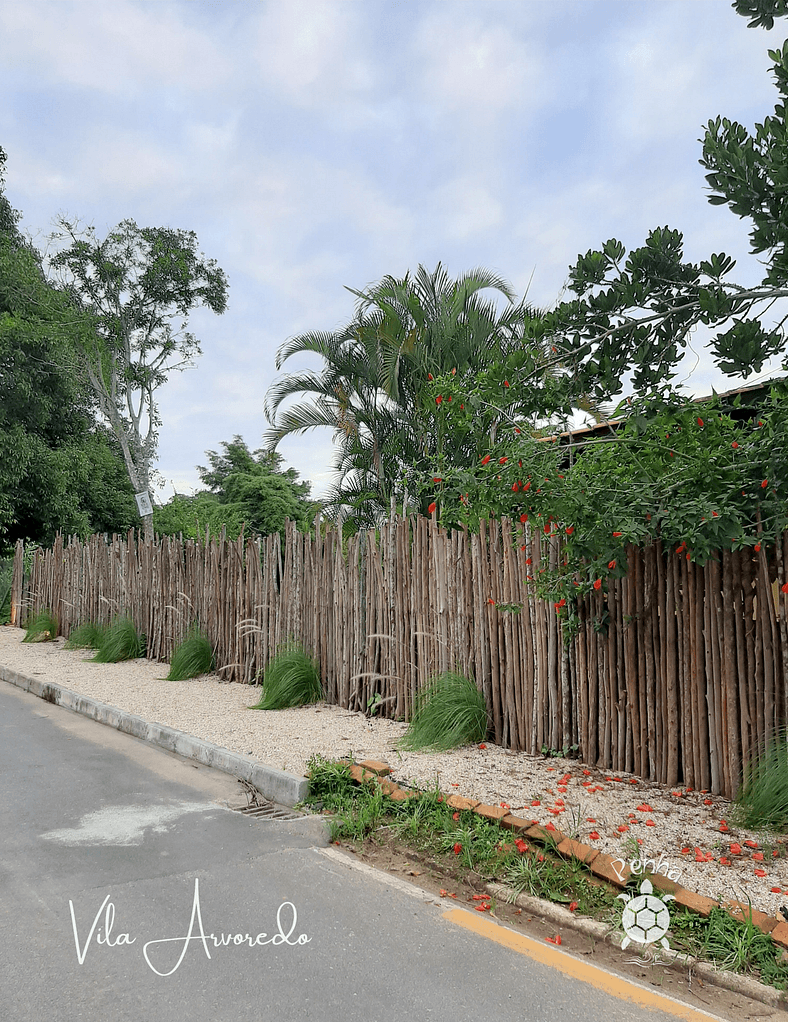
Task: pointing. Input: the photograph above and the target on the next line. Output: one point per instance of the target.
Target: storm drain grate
(266, 811)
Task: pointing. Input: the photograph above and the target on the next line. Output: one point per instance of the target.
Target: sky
(314, 145)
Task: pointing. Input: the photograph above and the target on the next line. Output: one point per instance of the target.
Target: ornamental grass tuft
(42, 627)
(121, 641)
(192, 657)
(449, 712)
(291, 679)
(762, 801)
(85, 636)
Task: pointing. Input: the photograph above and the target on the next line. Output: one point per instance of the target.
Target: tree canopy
(246, 489)
(373, 390)
(137, 287)
(59, 471)
(632, 313)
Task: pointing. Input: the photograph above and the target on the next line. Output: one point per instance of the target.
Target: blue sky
(313, 145)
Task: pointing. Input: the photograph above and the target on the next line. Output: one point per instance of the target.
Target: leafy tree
(194, 516)
(762, 12)
(58, 470)
(632, 314)
(138, 286)
(373, 389)
(246, 489)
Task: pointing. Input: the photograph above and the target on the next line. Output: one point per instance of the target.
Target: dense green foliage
(291, 679)
(247, 489)
(701, 477)
(698, 477)
(59, 471)
(448, 712)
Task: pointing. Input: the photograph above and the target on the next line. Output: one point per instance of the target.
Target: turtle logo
(645, 918)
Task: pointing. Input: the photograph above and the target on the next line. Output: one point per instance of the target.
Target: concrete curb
(276, 785)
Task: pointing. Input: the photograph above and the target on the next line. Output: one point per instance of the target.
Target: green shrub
(85, 636)
(193, 657)
(42, 627)
(6, 579)
(291, 679)
(448, 712)
(762, 802)
(121, 641)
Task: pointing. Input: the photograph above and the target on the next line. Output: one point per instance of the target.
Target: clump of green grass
(85, 636)
(739, 946)
(193, 657)
(42, 627)
(762, 801)
(449, 712)
(121, 641)
(291, 679)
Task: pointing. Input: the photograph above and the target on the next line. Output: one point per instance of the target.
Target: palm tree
(371, 390)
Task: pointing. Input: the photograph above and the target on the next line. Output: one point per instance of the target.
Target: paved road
(113, 852)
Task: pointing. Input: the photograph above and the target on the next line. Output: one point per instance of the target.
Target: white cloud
(108, 47)
(468, 207)
(475, 68)
(311, 52)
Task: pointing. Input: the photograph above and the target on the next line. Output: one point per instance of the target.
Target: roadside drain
(266, 811)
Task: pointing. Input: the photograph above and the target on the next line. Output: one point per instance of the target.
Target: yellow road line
(616, 986)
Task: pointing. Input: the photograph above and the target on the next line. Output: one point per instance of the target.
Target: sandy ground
(615, 813)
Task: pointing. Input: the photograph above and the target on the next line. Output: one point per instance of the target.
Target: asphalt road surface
(129, 891)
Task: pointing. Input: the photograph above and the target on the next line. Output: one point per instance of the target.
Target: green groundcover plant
(85, 636)
(291, 679)
(42, 627)
(121, 641)
(449, 712)
(194, 656)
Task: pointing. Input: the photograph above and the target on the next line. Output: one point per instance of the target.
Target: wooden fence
(676, 672)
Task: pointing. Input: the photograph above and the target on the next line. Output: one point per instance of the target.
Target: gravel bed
(679, 825)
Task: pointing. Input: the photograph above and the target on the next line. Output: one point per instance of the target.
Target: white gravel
(583, 800)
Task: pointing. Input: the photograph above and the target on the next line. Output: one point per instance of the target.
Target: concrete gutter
(276, 785)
